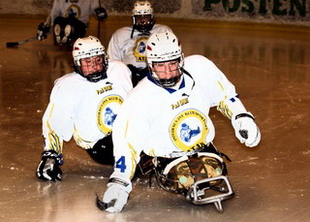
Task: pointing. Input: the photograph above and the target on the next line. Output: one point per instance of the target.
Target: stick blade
(11, 44)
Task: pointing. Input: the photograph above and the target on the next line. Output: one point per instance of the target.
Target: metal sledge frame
(213, 199)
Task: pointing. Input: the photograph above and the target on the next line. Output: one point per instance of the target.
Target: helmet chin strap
(169, 83)
(144, 31)
(178, 83)
(94, 77)
(176, 79)
(189, 75)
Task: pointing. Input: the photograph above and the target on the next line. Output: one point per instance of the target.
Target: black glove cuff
(52, 154)
(244, 115)
(118, 181)
(101, 13)
(44, 28)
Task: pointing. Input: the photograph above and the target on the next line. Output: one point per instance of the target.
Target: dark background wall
(270, 11)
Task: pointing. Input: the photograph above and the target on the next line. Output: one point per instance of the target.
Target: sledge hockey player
(84, 104)
(69, 20)
(128, 44)
(167, 117)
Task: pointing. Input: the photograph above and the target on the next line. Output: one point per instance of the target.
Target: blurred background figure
(69, 19)
(128, 44)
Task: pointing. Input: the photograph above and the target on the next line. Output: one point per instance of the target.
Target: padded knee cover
(102, 151)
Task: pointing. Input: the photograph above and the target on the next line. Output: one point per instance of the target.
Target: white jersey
(84, 109)
(131, 50)
(170, 123)
(81, 9)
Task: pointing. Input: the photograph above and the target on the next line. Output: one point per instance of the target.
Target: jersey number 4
(121, 164)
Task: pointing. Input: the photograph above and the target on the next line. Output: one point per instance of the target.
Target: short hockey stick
(13, 44)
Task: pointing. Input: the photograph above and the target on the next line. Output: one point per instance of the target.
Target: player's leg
(137, 74)
(74, 29)
(58, 29)
(102, 151)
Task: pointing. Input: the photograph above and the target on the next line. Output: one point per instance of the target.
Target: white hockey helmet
(85, 48)
(163, 47)
(143, 9)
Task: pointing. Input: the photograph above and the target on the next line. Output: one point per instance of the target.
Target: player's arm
(123, 75)
(126, 159)
(119, 185)
(57, 125)
(45, 27)
(115, 47)
(164, 28)
(51, 158)
(231, 106)
(242, 121)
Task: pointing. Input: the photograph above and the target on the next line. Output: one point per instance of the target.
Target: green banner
(261, 7)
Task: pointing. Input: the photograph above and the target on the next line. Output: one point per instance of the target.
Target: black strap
(212, 149)
(244, 115)
(118, 181)
(189, 75)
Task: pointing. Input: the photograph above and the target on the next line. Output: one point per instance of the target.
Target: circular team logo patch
(107, 112)
(188, 129)
(73, 10)
(139, 49)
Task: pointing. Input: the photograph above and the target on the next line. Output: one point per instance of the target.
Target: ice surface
(271, 70)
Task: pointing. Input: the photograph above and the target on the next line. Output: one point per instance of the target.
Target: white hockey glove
(246, 129)
(49, 167)
(116, 196)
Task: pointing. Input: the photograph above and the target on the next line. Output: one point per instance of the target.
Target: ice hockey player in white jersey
(84, 105)
(128, 44)
(69, 20)
(167, 117)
